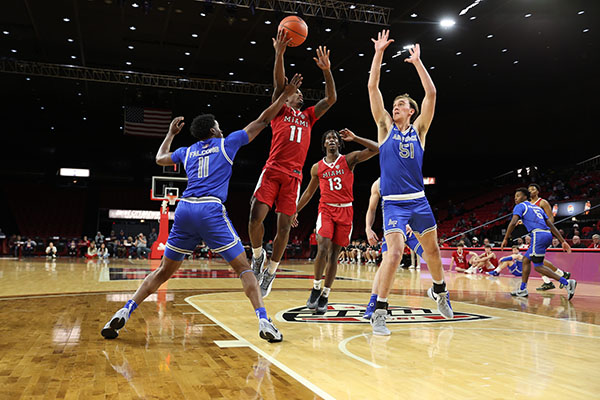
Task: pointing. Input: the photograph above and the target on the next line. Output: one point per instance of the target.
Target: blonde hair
(413, 105)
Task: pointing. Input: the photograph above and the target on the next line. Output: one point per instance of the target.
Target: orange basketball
(296, 29)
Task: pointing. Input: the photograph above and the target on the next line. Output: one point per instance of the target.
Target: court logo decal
(352, 314)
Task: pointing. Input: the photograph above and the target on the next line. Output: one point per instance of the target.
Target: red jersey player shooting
(279, 182)
(334, 176)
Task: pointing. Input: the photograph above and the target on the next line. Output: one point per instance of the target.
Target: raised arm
(370, 217)
(355, 157)
(380, 115)
(509, 229)
(280, 43)
(423, 121)
(330, 98)
(163, 157)
(263, 120)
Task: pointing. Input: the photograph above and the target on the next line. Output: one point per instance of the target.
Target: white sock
(545, 279)
(257, 252)
(560, 272)
(382, 299)
(497, 270)
(326, 292)
(273, 267)
(317, 284)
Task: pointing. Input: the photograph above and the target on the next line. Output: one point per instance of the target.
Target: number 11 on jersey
(293, 131)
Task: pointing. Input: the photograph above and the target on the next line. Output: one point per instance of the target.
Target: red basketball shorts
(279, 188)
(335, 223)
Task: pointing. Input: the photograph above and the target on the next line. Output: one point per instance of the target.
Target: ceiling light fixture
(292, 65)
(70, 40)
(516, 62)
(490, 36)
(181, 68)
(341, 69)
(13, 50)
(267, 22)
(586, 30)
(130, 47)
(194, 35)
(458, 53)
(135, 5)
(202, 15)
(128, 62)
(241, 59)
(438, 39)
(352, 6)
(187, 53)
(6, 32)
(66, 20)
(527, 15)
(327, 29)
(252, 42)
(413, 15)
(475, 64)
(132, 28)
(447, 23)
(580, 12)
(309, 48)
(504, 50)
(432, 67)
(73, 57)
(361, 54)
(473, 18)
(231, 74)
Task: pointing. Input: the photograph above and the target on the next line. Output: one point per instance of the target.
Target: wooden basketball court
(197, 338)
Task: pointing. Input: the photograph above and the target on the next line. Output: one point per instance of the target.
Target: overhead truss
(88, 74)
(331, 9)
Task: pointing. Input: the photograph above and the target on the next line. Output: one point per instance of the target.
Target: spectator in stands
(103, 251)
(121, 236)
(129, 248)
(51, 251)
(112, 243)
(141, 246)
(486, 242)
(152, 237)
(16, 245)
(465, 240)
(527, 241)
(475, 242)
(92, 251)
(574, 231)
(312, 241)
(99, 238)
(460, 258)
(29, 247)
(443, 243)
(555, 243)
(577, 243)
(203, 250)
(83, 245)
(521, 244)
(121, 249)
(72, 249)
(595, 242)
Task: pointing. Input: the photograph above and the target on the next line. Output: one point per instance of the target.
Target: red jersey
(335, 181)
(291, 138)
(460, 259)
(312, 240)
(537, 202)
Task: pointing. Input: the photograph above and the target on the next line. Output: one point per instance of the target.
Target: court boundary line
(308, 384)
(342, 345)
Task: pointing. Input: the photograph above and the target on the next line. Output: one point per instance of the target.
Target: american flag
(141, 121)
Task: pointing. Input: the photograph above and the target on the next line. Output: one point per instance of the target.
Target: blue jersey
(533, 217)
(208, 163)
(401, 163)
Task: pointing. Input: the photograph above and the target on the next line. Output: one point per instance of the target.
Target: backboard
(165, 186)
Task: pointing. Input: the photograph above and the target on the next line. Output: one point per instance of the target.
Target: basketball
(296, 29)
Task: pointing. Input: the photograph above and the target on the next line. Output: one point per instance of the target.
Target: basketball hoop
(172, 198)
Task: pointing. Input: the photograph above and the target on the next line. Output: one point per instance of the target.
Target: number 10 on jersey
(293, 129)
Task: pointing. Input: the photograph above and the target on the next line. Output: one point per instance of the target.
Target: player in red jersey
(334, 176)
(536, 200)
(459, 257)
(280, 179)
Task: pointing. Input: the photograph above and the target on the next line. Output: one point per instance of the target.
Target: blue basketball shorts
(416, 213)
(540, 241)
(411, 242)
(202, 219)
(516, 268)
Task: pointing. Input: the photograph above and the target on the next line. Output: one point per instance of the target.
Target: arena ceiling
(516, 79)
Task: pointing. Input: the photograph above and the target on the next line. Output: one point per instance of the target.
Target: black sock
(439, 287)
(381, 305)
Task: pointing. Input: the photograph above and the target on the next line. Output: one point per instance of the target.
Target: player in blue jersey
(411, 241)
(201, 215)
(401, 139)
(514, 262)
(541, 229)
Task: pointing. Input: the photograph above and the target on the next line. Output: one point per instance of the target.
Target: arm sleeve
(234, 141)
(518, 210)
(179, 155)
(507, 258)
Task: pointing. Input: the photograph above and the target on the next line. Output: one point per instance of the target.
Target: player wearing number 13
(334, 176)
(279, 182)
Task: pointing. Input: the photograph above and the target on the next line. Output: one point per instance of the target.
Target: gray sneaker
(312, 301)
(266, 282)
(520, 293)
(443, 302)
(378, 323)
(112, 327)
(267, 331)
(571, 288)
(258, 264)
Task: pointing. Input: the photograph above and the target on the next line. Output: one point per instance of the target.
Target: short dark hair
(413, 105)
(515, 247)
(201, 126)
(460, 244)
(535, 185)
(488, 245)
(524, 191)
(324, 137)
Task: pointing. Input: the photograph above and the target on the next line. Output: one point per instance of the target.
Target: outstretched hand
(293, 85)
(176, 126)
(566, 247)
(322, 58)
(415, 54)
(503, 245)
(371, 237)
(383, 40)
(281, 42)
(347, 135)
